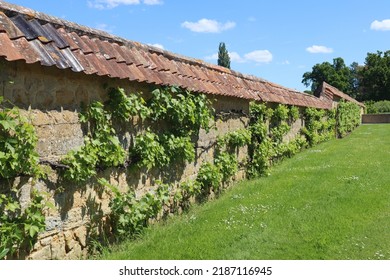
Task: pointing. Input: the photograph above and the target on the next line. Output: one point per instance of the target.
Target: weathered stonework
(50, 98)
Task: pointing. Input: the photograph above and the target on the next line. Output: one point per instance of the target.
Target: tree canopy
(375, 77)
(370, 81)
(337, 74)
(223, 56)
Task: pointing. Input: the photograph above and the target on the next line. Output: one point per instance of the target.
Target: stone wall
(51, 99)
(376, 118)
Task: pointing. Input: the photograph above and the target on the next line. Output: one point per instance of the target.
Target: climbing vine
(131, 214)
(347, 118)
(320, 125)
(171, 118)
(183, 113)
(19, 228)
(268, 128)
(18, 142)
(101, 145)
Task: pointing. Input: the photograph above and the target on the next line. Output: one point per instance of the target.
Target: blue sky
(275, 40)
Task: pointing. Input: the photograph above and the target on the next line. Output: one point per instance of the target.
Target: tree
(337, 74)
(375, 77)
(223, 56)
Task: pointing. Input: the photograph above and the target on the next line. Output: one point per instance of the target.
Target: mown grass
(328, 202)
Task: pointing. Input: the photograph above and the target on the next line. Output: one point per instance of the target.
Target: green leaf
(3, 252)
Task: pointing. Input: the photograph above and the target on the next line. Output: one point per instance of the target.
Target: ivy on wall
(19, 229)
(268, 127)
(182, 112)
(18, 140)
(171, 118)
(320, 125)
(347, 118)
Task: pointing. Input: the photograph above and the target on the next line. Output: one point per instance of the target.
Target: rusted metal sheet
(84, 62)
(90, 43)
(114, 50)
(80, 42)
(8, 26)
(127, 54)
(72, 60)
(104, 50)
(56, 55)
(7, 49)
(43, 54)
(95, 63)
(43, 35)
(25, 49)
(24, 26)
(135, 74)
(35, 37)
(55, 36)
(68, 39)
(138, 58)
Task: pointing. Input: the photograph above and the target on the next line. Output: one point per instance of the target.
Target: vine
(101, 146)
(129, 214)
(347, 118)
(320, 125)
(18, 142)
(19, 229)
(209, 177)
(268, 128)
(184, 113)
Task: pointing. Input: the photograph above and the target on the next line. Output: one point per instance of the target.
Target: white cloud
(212, 57)
(383, 25)
(319, 49)
(159, 46)
(208, 26)
(235, 57)
(104, 27)
(153, 2)
(259, 56)
(109, 4)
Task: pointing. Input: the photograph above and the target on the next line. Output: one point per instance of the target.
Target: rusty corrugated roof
(39, 38)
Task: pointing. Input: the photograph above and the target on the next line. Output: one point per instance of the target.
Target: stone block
(81, 235)
(46, 241)
(42, 254)
(75, 253)
(57, 246)
(40, 118)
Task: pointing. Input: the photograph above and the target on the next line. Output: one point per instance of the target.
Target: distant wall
(376, 118)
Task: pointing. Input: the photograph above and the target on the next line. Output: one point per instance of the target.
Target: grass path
(328, 202)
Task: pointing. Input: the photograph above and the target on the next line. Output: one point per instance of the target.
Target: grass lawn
(328, 202)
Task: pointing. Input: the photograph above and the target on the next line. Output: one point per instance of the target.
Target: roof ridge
(9, 8)
(37, 37)
(80, 30)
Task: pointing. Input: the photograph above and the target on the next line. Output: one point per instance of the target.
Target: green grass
(328, 202)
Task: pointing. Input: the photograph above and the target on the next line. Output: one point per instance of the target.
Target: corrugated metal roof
(38, 38)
